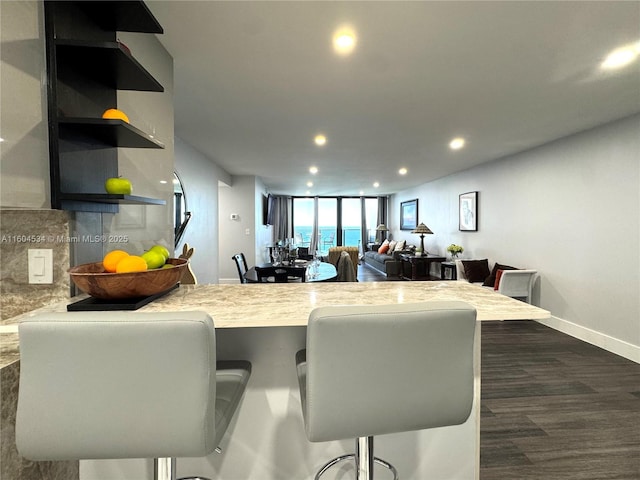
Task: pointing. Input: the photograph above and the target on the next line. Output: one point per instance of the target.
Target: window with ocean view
(340, 221)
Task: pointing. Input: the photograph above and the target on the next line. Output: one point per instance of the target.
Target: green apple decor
(118, 185)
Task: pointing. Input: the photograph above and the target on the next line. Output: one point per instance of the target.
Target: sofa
(510, 281)
(387, 262)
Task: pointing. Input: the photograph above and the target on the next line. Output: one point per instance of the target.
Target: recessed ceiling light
(313, 170)
(320, 140)
(376, 184)
(344, 40)
(309, 184)
(163, 181)
(1, 139)
(361, 192)
(621, 57)
(403, 171)
(457, 143)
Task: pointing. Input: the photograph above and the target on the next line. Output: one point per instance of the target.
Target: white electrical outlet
(40, 265)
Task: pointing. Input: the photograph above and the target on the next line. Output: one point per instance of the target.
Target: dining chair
(241, 265)
(280, 274)
(345, 268)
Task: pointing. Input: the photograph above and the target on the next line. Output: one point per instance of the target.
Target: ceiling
(256, 81)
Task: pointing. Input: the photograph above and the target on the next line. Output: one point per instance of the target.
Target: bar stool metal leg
(164, 468)
(364, 460)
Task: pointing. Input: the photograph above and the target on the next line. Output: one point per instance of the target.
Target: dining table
(325, 272)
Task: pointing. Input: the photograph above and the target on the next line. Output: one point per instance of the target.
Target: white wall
(245, 234)
(571, 210)
(200, 177)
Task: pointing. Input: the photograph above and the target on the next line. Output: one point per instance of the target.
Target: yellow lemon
(114, 113)
(132, 263)
(112, 259)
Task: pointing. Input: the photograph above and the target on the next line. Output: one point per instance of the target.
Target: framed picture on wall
(409, 214)
(468, 212)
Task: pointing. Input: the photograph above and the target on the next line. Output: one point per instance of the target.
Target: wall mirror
(181, 214)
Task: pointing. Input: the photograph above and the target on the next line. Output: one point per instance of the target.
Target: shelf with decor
(86, 66)
(77, 200)
(109, 132)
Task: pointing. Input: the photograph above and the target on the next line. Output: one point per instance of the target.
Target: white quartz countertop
(273, 305)
(281, 305)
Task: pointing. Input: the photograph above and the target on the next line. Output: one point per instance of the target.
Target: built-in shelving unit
(108, 62)
(86, 65)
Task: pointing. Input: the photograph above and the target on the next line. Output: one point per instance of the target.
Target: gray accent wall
(24, 154)
(571, 210)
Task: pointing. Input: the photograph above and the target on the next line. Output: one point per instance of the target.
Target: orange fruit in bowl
(132, 263)
(115, 114)
(111, 259)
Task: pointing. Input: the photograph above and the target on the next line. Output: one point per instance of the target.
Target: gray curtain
(279, 216)
(364, 236)
(313, 246)
(383, 203)
(382, 210)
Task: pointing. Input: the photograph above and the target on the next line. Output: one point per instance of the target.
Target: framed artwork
(409, 214)
(468, 212)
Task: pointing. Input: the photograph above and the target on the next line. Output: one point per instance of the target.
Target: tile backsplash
(21, 230)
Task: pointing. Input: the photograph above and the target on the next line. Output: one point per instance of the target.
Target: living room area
(496, 127)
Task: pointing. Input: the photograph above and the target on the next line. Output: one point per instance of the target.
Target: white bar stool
(108, 385)
(373, 370)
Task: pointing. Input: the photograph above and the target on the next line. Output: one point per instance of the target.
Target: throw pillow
(384, 247)
(476, 270)
(400, 245)
(491, 279)
(392, 246)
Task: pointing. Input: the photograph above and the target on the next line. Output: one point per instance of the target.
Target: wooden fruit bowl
(92, 278)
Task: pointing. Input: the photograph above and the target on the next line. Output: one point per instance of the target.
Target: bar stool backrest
(382, 369)
(97, 385)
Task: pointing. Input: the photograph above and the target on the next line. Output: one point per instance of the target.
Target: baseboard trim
(229, 281)
(599, 339)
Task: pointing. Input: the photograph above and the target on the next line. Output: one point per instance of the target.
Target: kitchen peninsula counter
(266, 324)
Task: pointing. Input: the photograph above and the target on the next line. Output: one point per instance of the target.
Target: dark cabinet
(86, 66)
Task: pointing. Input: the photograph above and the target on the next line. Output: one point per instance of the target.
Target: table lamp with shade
(382, 228)
(422, 230)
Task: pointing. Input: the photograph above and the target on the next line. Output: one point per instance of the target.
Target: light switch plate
(40, 265)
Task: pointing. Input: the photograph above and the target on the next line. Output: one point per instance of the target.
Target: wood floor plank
(553, 407)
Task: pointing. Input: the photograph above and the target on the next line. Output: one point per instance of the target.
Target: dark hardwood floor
(553, 407)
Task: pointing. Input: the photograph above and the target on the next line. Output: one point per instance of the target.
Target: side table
(418, 268)
(448, 266)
